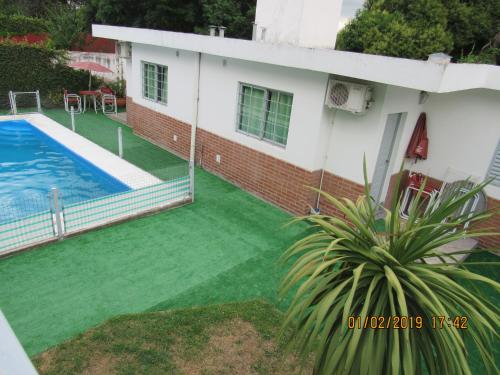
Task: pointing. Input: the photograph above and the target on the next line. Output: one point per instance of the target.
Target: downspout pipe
(325, 159)
(194, 125)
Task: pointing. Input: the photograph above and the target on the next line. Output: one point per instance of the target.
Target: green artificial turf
(103, 131)
(52, 293)
(222, 248)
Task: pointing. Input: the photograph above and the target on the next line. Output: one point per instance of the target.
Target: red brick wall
(493, 224)
(338, 187)
(159, 128)
(275, 180)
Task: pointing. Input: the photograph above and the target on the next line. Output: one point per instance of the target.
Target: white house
(261, 118)
(101, 51)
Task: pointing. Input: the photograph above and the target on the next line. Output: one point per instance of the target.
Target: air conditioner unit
(348, 96)
(124, 50)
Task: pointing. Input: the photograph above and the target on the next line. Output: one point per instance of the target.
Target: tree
(66, 24)
(118, 12)
(348, 276)
(237, 16)
(416, 28)
(383, 33)
(176, 15)
(31, 8)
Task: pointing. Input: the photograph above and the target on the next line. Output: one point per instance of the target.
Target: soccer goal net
(24, 102)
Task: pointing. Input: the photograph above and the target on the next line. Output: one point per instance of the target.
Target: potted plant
(366, 299)
(119, 88)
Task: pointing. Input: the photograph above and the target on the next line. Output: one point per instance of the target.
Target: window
(154, 82)
(494, 170)
(264, 113)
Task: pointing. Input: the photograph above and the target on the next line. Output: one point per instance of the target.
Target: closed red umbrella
(419, 143)
(91, 67)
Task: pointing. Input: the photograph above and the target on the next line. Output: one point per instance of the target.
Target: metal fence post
(12, 98)
(10, 102)
(57, 212)
(72, 113)
(38, 103)
(120, 142)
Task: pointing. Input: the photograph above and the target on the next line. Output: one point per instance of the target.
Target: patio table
(93, 93)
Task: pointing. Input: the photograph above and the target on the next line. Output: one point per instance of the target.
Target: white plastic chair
(72, 100)
(109, 104)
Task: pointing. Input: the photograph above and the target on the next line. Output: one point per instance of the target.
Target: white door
(384, 156)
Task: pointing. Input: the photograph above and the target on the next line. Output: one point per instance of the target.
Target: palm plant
(343, 274)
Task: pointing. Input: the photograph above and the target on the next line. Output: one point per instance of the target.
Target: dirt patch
(101, 365)
(236, 348)
(232, 339)
(45, 361)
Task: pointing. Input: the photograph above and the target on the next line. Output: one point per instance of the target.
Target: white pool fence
(59, 220)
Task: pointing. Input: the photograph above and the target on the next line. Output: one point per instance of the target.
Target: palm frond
(349, 269)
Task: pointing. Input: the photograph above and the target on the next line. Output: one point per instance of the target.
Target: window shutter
(494, 170)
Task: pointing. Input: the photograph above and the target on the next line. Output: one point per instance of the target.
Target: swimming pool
(31, 163)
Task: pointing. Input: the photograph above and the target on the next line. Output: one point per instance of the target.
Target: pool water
(31, 163)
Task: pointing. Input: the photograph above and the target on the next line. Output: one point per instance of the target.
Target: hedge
(30, 67)
(20, 25)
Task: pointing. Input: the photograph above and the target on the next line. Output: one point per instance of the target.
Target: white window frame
(238, 113)
(164, 101)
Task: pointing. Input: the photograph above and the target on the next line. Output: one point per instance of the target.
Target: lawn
(227, 239)
(222, 248)
(232, 339)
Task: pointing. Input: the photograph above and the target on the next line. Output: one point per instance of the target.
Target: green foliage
(344, 270)
(176, 15)
(32, 8)
(237, 16)
(29, 68)
(16, 24)
(472, 23)
(66, 24)
(488, 56)
(383, 33)
(118, 87)
(67, 19)
(416, 28)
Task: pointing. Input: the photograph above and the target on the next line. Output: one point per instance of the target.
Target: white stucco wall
(464, 129)
(127, 74)
(109, 60)
(219, 104)
(353, 136)
(306, 23)
(181, 74)
(416, 74)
